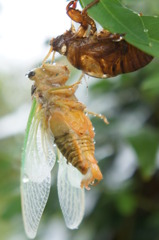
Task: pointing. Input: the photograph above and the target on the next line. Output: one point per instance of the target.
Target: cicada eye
(31, 74)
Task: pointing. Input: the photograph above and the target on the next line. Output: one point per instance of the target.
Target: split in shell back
(56, 117)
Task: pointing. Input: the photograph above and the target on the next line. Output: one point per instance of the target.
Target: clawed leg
(91, 4)
(73, 4)
(97, 115)
(76, 83)
(73, 30)
(66, 89)
(89, 20)
(81, 17)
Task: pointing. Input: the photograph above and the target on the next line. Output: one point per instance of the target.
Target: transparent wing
(37, 162)
(71, 195)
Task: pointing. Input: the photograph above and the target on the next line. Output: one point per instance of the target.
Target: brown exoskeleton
(100, 55)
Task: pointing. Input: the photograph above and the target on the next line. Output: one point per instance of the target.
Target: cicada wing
(38, 160)
(71, 195)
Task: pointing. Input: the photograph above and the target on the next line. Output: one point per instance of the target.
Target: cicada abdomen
(74, 136)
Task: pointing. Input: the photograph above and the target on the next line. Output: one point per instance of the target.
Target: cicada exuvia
(56, 118)
(99, 54)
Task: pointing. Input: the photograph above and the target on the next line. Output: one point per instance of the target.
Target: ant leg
(97, 115)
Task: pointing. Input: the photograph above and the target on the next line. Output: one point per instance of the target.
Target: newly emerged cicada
(100, 55)
(56, 118)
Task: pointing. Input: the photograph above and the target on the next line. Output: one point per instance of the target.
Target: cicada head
(50, 74)
(60, 43)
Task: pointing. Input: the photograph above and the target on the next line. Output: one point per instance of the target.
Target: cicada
(56, 118)
(98, 54)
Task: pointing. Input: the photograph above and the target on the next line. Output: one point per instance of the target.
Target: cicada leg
(72, 3)
(91, 4)
(81, 17)
(48, 55)
(73, 30)
(76, 16)
(70, 89)
(97, 115)
(89, 20)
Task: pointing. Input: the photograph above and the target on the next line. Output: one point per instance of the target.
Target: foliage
(141, 31)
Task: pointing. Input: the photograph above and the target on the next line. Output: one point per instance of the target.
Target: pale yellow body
(64, 115)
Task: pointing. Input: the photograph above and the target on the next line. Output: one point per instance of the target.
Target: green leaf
(150, 86)
(126, 203)
(12, 208)
(140, 31)
(116, 18)
(151, 26)
(145, 144)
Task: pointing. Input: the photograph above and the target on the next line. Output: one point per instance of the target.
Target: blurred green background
(125, 204)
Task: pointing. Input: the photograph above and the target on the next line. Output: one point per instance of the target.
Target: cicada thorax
(74, 136)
